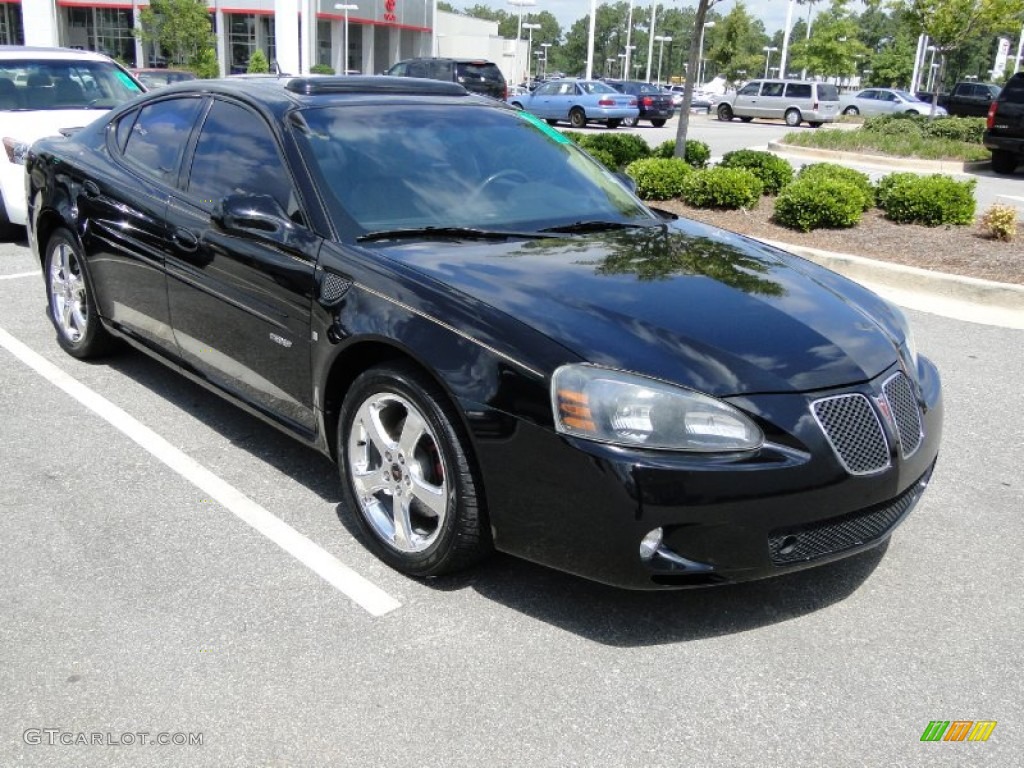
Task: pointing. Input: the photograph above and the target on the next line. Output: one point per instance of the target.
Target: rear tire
(658, 123)
(69, 300)
(631, 122)
(792, 118)
(406, 473)
(1004, 162)
(614, 123)
(725, 113)
(577, 118)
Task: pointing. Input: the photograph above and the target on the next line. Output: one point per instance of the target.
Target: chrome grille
(905, 413)
(854, 432)
(800, 544)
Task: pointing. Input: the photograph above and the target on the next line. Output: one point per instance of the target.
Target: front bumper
(584, 508)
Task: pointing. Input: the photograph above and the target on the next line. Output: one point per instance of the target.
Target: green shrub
(624, 147)
(697, 153)
(841, 173)
(205, 64)
(813, 202)
(897, 124)
(322, 69)
(258, 64)
(604, 157)
(659, 178)
(720, 187)
(966, 129)
(773, 171)
(930, 200)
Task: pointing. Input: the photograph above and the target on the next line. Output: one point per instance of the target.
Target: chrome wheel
(69, 305)
(398, 472)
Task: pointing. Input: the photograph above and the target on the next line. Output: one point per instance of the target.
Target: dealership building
(297, 34)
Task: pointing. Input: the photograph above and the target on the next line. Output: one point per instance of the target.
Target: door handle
(185, 240)
(91, 189)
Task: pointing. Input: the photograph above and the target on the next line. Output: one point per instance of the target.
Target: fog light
(650, 543)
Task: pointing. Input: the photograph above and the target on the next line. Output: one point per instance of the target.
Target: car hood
(685, 302)
(29, 125)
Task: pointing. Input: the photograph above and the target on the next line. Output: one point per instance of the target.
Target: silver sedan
(885, 101)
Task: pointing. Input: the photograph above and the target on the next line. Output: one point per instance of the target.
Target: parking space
(135, 601)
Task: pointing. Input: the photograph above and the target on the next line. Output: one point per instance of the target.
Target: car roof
(8, 52)
(281, 93)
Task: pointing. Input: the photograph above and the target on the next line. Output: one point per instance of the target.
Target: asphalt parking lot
(142, 599)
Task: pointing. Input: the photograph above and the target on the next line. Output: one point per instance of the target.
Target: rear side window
(772, 89)
(159, 135)
(827, 92)
(798, 90)
(440, 70)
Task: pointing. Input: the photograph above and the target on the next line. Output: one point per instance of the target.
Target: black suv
(475, 75)
(654, 103)
(1004, 133)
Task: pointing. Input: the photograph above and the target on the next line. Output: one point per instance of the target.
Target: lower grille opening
(837, 534)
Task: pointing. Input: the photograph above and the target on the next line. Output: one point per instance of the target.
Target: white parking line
(20, 274)
(361, 591)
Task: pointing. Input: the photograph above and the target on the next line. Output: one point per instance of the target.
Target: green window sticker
(544, 127)
(126, 81)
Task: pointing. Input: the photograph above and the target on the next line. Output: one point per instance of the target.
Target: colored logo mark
(958, 730)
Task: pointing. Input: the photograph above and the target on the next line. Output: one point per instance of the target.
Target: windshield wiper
(467, 233)
(598, 226)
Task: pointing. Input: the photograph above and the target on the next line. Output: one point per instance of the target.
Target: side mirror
(253, 215)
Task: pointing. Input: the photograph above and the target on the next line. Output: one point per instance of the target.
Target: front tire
(1004, 162)
(70, 304)
(659, 123)
(577, 118)
(793, 118)
(406, 474)
(724, 113)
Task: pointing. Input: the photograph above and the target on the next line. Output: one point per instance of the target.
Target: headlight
(16, 150)
(621, 408)
(908, 346)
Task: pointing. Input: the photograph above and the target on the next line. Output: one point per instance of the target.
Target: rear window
(470, 72)
(827, 92)
(1014, 90)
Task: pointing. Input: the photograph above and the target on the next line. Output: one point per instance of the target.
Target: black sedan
(654, 103)
(498, 342)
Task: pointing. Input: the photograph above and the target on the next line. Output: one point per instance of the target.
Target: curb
(881, 161)
(1004, 300)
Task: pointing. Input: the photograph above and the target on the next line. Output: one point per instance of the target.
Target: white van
(794, 101)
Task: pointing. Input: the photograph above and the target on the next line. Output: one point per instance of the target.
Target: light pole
(519, 4)
(700, 55)
(650, 42)
(346, 7)
(545, 46)
(608, 66)
(629, 35)
(529, 47)
(662, 39)
(768, 50)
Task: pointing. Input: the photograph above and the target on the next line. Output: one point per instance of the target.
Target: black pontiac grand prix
(498, 342)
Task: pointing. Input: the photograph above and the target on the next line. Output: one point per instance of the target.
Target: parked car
(885, 101)
(476, 75)
(157, 78)
(44, 91)
(500, 344)
(1004, 127)
(794, 101)
(653, 102)
(579, 102)
(700, 101)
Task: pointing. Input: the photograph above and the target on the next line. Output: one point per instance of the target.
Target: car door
(771, 102)
(543, 101)
(240, 294)
(123, 205)
(745, 104)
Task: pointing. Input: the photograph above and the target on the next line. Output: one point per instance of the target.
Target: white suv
(42, 91)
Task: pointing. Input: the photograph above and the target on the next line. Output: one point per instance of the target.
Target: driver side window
(236, 153)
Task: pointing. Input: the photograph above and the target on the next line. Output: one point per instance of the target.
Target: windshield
(47, 84)
(906, 96)
(448, 166)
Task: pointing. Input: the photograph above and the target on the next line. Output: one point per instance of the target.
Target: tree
(181, 28)
(684, 109)
(834, 48)
(952, 24)
(258, 64)
(738, 43)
